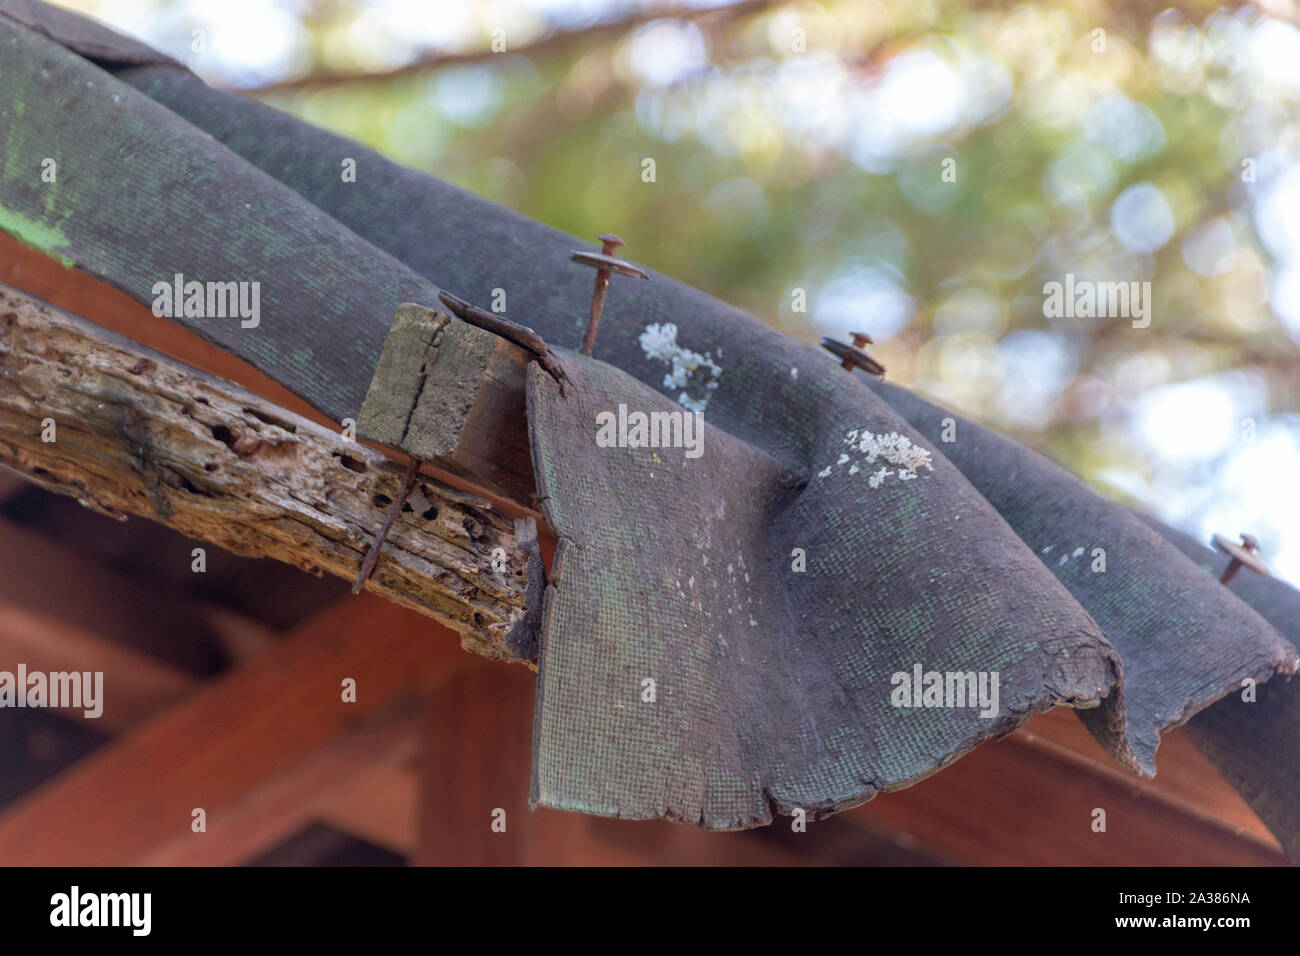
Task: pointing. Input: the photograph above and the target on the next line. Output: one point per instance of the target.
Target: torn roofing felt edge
(336, 259)
(690, 670)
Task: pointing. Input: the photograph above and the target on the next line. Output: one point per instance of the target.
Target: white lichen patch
(881, 452)
(690, 371)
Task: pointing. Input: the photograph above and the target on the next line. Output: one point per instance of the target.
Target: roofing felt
(772, 687)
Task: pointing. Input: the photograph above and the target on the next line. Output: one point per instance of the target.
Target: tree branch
(544, 46)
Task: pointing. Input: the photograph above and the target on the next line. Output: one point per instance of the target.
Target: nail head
(612, 263)
(852, 356)
(1241, 552)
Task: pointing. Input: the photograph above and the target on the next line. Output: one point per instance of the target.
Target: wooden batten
(452, 394)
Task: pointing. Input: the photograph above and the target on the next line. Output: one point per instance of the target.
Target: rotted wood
(136, 433)
(452, 393)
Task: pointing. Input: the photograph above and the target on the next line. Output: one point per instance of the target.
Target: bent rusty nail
(520, 335)
(372, 555)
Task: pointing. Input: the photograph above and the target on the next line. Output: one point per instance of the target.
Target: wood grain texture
(401, 374)
(451, 393)
(138, 434)
(84, 295)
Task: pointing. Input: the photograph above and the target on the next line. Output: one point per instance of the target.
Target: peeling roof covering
(1184, 639)
(772, 692)
(694, 666)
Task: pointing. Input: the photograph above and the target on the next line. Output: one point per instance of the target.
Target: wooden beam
(134, 798)
(134, 686)
(43, 575)
(81, 294)
(451, 393)
(144, 640)
(1010, 803)
(1186, 777)
(337, 783)
(378, 802)
(475, 762)
(137, 433)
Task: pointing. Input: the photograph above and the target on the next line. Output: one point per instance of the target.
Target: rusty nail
(854, 356)
(1244, 554)
(609, 244)
(606, 265)
(372, 556)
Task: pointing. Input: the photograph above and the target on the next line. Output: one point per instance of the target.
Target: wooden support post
(474, 769)
(474, 774)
